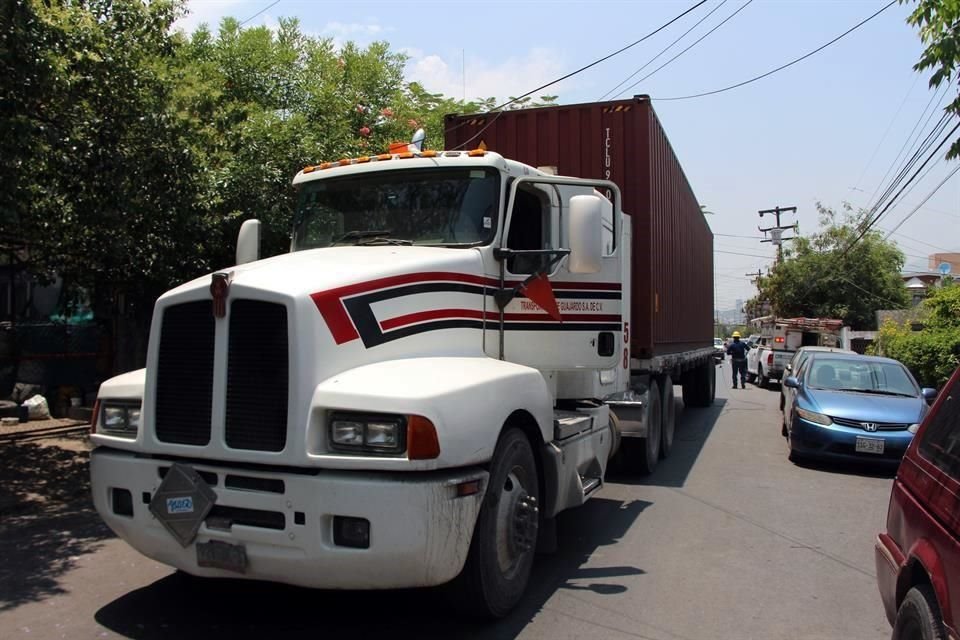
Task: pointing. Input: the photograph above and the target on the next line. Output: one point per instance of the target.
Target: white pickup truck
(767, 360)
(772, 352)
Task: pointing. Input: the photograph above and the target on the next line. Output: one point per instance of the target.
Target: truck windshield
(445, 207)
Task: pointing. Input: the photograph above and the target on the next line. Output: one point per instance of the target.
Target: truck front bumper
(419, 529)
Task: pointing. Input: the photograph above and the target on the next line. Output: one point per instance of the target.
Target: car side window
(941, 439)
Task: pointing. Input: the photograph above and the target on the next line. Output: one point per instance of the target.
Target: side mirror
(584, 233)
(791, 381)
(789, 367)
(929, 394)
(248, 242)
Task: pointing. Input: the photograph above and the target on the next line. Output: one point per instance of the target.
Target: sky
(827, 129)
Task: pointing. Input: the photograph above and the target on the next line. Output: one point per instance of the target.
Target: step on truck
(455, 347)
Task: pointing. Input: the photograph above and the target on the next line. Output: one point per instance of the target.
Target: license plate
(222, 555)
(869, 445)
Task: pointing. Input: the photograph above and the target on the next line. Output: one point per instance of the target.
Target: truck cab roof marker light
(476, 153)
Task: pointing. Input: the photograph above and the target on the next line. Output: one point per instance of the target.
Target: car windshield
(426, 207)
(861, 375)
(717, 342)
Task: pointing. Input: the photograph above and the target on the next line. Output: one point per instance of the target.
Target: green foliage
(818, 279)
(939, 25)
(932, 353)
(130, 153)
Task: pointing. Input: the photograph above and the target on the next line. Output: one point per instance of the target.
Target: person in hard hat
(738, 358)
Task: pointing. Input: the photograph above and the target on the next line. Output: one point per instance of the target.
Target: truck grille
(185, 374)
(257, 376)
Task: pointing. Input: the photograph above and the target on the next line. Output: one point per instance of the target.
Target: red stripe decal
(330, 304)
(475, 314)
(432, 314)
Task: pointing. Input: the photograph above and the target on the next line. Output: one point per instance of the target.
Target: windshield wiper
(384, 240)
(880, 392)
(358, 234)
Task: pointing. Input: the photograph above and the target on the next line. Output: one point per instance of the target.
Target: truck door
(586, 329)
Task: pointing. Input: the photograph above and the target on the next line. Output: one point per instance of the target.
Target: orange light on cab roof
(429, 154)
(343, 162)
(384, 156)
(363, 159)
(422, 442)
(309, 169)
(405, 156)
(476, 153)
(326, 165)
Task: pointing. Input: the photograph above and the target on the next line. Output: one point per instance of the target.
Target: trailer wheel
(668, 417)
(700, 386)
(498, 566)
(712, 375)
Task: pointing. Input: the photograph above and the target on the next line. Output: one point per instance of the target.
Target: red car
(918, 558)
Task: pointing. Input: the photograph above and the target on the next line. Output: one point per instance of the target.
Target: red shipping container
(622, 141)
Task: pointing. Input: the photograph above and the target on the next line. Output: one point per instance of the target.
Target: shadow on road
(693, 427)
(47, 519)
(184, 607)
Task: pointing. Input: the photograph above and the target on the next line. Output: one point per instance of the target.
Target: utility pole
(776, 232)
(754, 277)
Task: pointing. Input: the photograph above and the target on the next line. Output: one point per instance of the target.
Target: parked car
(918, 556)
(719, 350)
(852, 407)
(799, 357)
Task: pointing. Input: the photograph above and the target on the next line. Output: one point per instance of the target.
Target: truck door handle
(605, 343)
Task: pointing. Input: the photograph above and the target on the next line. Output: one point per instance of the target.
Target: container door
(585, 329)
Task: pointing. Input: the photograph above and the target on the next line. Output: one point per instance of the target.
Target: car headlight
(913, 428)
(813, 416)
(118, 418)
(371, 433)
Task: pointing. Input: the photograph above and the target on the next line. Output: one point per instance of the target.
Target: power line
(692, 45)
(922, 202)
(732, 235)
(890, 203)
(789, 64)
(883, 138)
(749, 255)
(500, 108)
(907, 142)
(266, 8)
(662, 51)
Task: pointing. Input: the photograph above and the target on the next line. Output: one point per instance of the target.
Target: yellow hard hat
(736, 334)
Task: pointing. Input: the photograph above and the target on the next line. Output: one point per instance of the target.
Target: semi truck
(449, 356)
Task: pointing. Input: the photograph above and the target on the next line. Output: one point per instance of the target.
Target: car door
(935, 481)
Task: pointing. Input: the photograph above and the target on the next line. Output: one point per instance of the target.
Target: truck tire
(668, 417)
(700, 386)
(919, 616)
(498, 565)
(763, 381)
(641, 454)
(712, 385)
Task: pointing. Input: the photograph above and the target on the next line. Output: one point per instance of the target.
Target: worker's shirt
(738, 350)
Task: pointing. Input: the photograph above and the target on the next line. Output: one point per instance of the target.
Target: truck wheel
(763, 381)
(668, 417)
(919, 616)
(712, 385)
(504, 540)
(641, 454)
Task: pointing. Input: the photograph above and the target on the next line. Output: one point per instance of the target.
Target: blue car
(853, 407)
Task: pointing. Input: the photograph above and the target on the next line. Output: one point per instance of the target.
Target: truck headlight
(370, 433)
(119, 418)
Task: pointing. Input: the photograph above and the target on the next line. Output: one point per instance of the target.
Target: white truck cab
(405, 399)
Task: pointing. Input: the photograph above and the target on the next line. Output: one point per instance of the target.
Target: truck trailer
(449, 356)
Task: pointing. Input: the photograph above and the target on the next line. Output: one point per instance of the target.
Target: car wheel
(783, 428)
(505, 537)
(919, 616)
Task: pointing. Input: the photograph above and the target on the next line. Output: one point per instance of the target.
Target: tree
(932, 353)
(939, 25)
(823, 276)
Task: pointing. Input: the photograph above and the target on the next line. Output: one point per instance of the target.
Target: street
(727, 539)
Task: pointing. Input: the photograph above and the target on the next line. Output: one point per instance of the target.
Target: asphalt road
(726, 540)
